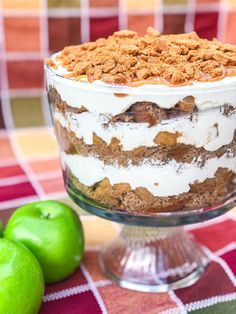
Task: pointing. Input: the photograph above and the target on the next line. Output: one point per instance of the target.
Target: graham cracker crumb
(187, 104)
(97, 140)
(125, 34)
(121, 196)
(50, 63)
(228, 110)
(114, 144)
(126, 58)
(152, 31)
(165, 138)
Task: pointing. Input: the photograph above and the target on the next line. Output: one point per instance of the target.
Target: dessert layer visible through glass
(146, 131)
(147, 148)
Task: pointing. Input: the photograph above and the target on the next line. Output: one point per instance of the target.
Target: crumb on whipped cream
(126, 58)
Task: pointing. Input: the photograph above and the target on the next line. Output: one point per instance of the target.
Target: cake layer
(209, 130)
(160, 179)
(121, 196)
(114, 99)
(164, 152)
(146, 123)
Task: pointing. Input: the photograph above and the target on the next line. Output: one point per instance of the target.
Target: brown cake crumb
(187, 104)
(228, 110)
(126, 58)
(113, 152)
(120, 196)
(149, 112)
(50, 63)
(60, 105)
(140, 111)
(97, 140)
(165, 138)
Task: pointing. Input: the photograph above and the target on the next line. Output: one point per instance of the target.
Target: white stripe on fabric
(94, 289)
(221, 262)
(222, 20)
(197, 305)
(85, 26)
(229, 247)
(159, 16)
(207, 223)
(122, 15)
(14, 203)
(193, 306)
(179, 303)
(73, 291)
(26, 56)
(44, 43)
(190, 16)
(8, 162)
(14, 180)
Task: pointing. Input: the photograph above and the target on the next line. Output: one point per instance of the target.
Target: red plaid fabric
(29, 166)
(32, 30)
(88, 291)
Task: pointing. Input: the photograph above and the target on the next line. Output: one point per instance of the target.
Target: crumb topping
(127, 58)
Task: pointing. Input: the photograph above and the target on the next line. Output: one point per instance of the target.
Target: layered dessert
(146, 124)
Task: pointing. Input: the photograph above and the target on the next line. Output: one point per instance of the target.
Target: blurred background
(31, 30)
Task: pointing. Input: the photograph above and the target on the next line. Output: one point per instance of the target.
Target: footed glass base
(153, 253)
(153, 259)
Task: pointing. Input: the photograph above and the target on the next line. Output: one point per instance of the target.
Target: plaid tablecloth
(30, 30)
(30, 170)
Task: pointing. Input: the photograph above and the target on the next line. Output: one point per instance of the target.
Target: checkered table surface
(30, 30)
(30, 170)
(88, 291)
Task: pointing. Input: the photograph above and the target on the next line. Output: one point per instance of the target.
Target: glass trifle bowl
(149, 154)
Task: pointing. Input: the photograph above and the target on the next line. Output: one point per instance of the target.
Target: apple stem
(47, 216)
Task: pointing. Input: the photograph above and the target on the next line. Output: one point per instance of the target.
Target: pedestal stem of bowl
(153, 259)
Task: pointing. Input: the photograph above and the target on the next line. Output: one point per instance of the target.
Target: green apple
(53, 232)
(21, 279)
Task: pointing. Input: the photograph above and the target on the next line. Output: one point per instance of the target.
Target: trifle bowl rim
(144, 88)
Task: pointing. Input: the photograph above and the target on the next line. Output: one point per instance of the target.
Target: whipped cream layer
(168, 179)
(210, 129)
(99, 97)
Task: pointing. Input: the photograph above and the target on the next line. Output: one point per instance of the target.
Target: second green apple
(53, 232)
